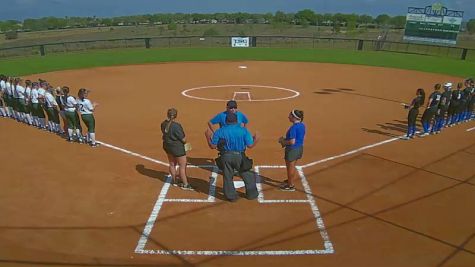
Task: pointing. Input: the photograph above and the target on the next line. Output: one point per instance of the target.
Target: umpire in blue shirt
(233, 140)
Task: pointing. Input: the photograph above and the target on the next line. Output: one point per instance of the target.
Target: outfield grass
(31, 65)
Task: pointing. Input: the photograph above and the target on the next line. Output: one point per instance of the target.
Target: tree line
(306, 17)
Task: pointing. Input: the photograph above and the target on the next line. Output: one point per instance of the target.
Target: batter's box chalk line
(328, 246)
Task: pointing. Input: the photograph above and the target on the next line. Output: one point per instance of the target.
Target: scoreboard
(433, 24)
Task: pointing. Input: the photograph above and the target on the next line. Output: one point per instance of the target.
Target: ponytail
(298, 114)
(171, 115)
(422, 95)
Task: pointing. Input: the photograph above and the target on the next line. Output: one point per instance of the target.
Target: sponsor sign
(240, 41)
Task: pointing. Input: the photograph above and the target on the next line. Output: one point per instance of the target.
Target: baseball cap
(231, 118)
(448, 84)
(231, 104)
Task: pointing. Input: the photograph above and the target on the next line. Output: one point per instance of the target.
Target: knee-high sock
(36, 121)
(92, 137)
(70, 134)
(78, 133)
(29, 119)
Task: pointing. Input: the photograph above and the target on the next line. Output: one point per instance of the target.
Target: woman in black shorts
(174, 145)
(429, 112)
(413, 112)
(454, 108)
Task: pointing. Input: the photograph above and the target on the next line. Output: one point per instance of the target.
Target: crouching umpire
(232, 141)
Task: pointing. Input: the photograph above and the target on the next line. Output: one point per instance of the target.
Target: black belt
(233, 152)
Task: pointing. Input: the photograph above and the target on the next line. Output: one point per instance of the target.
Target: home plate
(238, 184)
(242, 67)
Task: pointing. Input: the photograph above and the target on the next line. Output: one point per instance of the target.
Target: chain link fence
(225, 41)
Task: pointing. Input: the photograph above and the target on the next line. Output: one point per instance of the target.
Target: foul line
(318, 218)
(132, 153)
(263, 166)
(471, 129)
(351, 152)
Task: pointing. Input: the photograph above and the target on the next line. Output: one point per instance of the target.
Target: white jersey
(28, 92)
(3, 86)
(34, 96)
(70, 104)
(85, 106)
(50, 100)
(20, 92)
(9, 89)
(41, 92)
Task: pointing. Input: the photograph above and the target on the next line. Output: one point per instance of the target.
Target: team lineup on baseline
(444, 109)
(171, 198)
(28, 104)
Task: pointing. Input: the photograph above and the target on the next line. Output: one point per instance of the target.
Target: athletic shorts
(292, 154)
(174, 149)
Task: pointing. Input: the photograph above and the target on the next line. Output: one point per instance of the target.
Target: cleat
(287, 188)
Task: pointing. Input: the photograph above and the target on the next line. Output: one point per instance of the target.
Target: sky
(22, 9)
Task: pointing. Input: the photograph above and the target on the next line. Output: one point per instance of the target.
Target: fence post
(464, 53)
(42, 50)
(360, 45)
(147, 42)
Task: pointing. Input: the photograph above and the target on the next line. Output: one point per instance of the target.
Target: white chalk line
(132, 153)
(211, 195)
(471, 129)
(350, 152)
(240, 92)
(316, 213)
(149, 158)
(153, 216)
(310, 200)
(236, 252)
(262, 166)
(212, 184)
(162, 199)
(295, 93)
(260, 197)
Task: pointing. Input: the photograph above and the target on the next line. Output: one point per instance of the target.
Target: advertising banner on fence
(240, 41)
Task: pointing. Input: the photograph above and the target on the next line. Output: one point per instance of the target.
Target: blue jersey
(236, 138)
(220, 118)
(297, 132)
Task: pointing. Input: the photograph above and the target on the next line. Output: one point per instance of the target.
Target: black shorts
(174, 149)
(293, 154)
(429, 114)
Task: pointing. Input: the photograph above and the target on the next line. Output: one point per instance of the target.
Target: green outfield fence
(225, 41)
